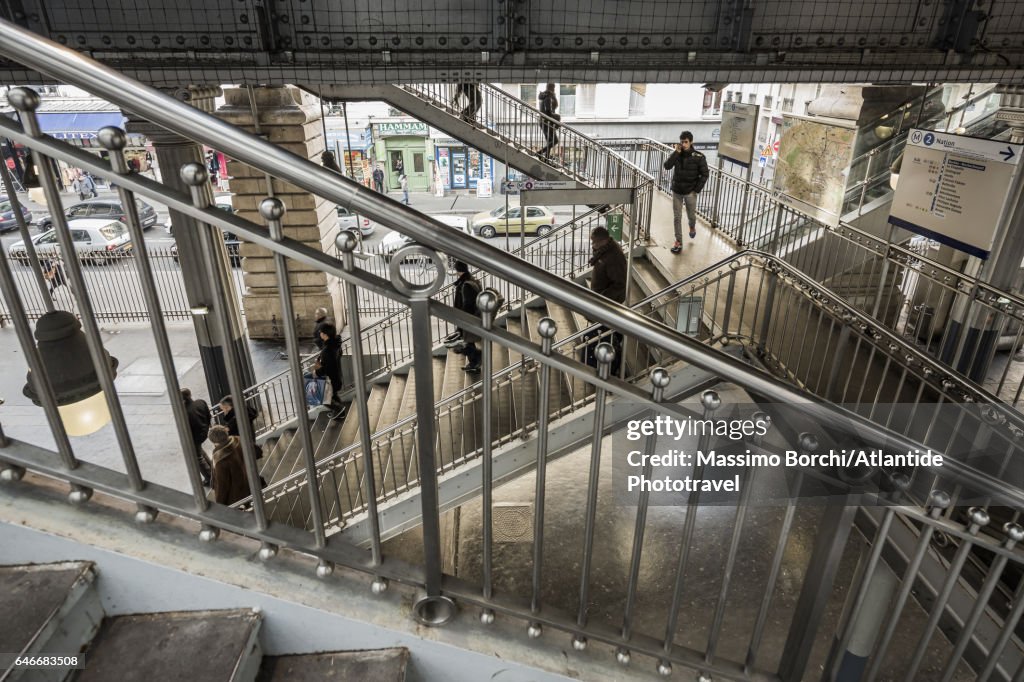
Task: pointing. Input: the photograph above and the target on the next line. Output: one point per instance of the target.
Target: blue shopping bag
(315, 388)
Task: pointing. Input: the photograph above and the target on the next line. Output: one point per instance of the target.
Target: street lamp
(64, 353)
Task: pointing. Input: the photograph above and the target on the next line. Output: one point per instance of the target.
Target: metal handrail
(831, 533)
(932, 372)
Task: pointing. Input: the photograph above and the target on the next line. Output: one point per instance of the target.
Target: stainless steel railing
(835, 323)
(594, 616)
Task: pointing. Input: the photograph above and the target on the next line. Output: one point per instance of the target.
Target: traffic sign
(767, 151)
(762, 161)
(775, 146)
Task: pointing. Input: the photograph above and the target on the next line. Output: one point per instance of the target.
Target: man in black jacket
(690, 173)
(548, 107)
(466, 291)
(199, 425)
(609, 263)
(328, 365)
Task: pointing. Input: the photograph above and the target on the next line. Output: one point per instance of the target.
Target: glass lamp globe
(65, 355)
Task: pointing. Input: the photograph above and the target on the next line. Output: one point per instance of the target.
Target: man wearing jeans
(690, 173)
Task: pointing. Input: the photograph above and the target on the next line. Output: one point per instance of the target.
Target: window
(417, 163)
(80, 236)
(528, 93)
(763, 129)
(79, 211)
(567, 100)
(513, 214)
(49, 238)
(787, 104)
(113, 230)
(712, 103)
(637, 99)
(5, 206)
(752, 98)
(533, 212)
(767, 101)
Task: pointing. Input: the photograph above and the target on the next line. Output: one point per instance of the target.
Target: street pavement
(142, 393)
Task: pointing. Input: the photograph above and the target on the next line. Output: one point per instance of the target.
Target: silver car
(96, 241)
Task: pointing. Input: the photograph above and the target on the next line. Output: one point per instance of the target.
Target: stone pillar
(290, 119)
(173, 152)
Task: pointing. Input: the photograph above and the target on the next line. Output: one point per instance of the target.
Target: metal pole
(348, 143)
(33, 259)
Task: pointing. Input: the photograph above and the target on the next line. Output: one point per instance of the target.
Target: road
(115, 288)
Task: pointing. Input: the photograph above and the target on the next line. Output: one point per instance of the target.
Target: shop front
(459, 166)
(405, 148)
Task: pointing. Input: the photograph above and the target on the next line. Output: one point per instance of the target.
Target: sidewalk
(144, 399)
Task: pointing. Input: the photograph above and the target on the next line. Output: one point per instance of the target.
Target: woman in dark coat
(328, 365)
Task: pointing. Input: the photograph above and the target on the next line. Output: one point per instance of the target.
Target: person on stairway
(609, 280)
(322, 320)
(328, 365)
(466, 291)
(549, 107)
(228, 480)
(474, 100)
(609, 263)
(690, 174)
(199, 425)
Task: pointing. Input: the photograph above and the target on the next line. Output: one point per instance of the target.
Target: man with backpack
(466, 291)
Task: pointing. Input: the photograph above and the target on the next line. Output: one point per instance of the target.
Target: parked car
(103, 209)
(96, 241)
(396, 240)
(221, 201)
(7, 219)
(539, 220)
(350, 221)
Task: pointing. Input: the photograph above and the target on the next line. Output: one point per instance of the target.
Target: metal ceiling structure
(374, 41)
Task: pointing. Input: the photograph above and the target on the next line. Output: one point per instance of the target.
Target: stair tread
(30, 594)
(194, 645)
(380, 665)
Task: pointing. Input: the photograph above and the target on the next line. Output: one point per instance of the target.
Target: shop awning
(78, 125)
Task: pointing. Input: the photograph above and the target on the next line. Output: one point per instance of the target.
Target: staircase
(54, 611)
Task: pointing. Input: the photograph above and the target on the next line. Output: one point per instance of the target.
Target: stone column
(290, 119)
(173, 152)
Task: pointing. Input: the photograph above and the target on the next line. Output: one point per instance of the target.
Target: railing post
(833, 532)
(864, 186)
(743, 214)
(433, 608)
(718, 193)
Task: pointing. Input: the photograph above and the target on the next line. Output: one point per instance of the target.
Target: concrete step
(198, 645)
(558, 386)
(47, 609)
(273, 457)
(451, 420)
(381, 458)
(378, 665)
(294, 507)
(524, 387)
(503, 413)
(572, 323)
(349, 476)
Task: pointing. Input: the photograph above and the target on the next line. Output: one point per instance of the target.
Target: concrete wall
(163, 566)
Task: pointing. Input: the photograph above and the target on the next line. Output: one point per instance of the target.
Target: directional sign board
(739, 128)
(514, 186)
(952, 188)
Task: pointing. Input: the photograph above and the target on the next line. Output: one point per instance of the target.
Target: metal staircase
(830, 377)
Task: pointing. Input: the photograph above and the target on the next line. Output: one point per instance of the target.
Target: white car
(350, 221)
(96, 241)
(396, 240)
(221, 201)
